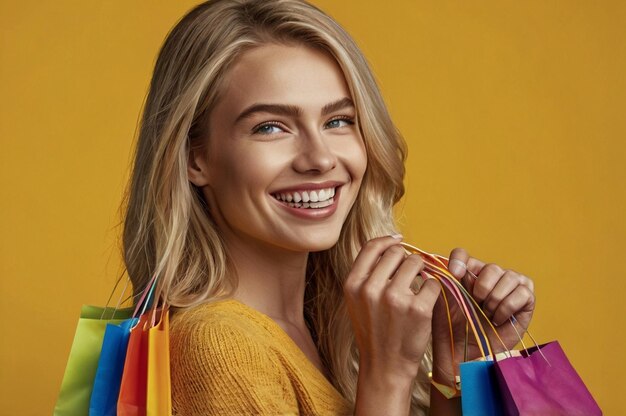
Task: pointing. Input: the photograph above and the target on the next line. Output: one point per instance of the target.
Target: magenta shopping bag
(534, 385)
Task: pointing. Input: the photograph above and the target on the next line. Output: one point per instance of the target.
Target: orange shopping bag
(159, 396)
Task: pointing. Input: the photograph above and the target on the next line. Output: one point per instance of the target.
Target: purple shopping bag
(534, 385)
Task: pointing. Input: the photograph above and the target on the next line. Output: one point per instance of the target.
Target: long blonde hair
(168, 230)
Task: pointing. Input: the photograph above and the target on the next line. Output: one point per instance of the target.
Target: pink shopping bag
(543, 383)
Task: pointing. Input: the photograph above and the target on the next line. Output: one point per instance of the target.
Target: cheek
(247, 168)
(355, 158)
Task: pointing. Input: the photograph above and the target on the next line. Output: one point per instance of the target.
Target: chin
(315, 244)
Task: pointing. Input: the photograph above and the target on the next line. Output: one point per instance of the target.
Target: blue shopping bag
(480, 395)
(106, 386)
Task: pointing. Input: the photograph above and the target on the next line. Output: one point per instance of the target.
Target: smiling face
(284, 159)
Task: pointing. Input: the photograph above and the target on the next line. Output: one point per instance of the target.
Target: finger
(503, 288)
(368, 257)
(528, 282)
(428, 295)
(520, 300)
(460, 263)
(475, 266)
(486, 281)
(406, 274)
(391, 259)
(457, 263)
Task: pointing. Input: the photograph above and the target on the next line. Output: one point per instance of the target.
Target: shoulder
(223, 361)
(223, 328)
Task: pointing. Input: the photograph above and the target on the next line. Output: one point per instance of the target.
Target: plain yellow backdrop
(514, 113)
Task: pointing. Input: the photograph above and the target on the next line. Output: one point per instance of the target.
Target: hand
(392, 324)
(501, 293)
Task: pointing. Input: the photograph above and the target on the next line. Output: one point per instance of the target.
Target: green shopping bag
(82, 363)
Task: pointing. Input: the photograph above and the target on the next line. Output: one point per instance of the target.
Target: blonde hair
(168, 230)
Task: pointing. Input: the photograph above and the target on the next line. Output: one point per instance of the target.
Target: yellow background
(514, 113)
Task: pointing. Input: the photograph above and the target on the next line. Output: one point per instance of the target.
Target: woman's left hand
(502, 294)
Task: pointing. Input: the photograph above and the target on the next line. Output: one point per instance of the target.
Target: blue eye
(339, 122)
(267, 128)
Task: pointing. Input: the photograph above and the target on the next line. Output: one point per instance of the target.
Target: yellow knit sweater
(229, 359)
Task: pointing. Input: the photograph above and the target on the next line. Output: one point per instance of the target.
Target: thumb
(457, 264)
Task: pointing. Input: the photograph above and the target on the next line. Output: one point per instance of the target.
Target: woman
(265, 175)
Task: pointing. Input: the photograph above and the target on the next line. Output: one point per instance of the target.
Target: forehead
(296, 75)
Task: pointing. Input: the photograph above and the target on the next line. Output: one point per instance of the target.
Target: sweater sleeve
(222, 367)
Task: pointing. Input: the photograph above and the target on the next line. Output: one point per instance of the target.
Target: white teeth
(310, 205)
(321, 204)
(318, 198)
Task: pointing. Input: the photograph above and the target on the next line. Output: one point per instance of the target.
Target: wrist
(444, 369)
(390, 372)
(450, 389)
(386, 379)
(445, 376)
(382, 392)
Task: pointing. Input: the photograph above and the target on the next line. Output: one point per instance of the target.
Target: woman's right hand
(392, 324)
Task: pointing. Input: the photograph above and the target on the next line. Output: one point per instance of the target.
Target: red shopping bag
(132, 397)
(543, 382)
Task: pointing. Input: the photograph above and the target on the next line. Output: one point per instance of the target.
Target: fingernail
(457, 267)
(397, 236)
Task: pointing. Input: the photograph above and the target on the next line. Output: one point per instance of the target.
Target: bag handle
(437, 266)
(119, 300)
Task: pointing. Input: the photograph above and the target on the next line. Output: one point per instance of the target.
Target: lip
(309, 186)
(312, 213)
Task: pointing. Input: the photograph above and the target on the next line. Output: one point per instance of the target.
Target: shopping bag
(480, 395)
(540, 381)
(159, 394)
(106, 384)
(132, 395)
(80, 371)
(543, 383)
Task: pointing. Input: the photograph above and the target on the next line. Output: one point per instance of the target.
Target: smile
(318, 198)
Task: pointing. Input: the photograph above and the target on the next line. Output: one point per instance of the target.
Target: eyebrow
(292, 110)
(345, 102)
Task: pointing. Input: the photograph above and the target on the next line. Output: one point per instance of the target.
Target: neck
(270, 279)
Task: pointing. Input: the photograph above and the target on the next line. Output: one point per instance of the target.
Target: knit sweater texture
(229, 359)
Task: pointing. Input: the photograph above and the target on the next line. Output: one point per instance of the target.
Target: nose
(314, 155)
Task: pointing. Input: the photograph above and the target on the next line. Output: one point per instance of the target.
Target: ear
(197, 167)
